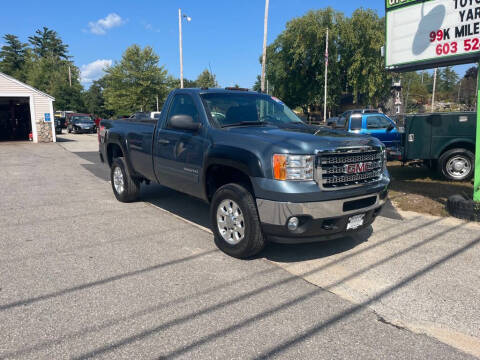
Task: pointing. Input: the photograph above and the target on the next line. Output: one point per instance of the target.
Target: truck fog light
(293, 223)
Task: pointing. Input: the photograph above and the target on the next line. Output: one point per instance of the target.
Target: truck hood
(299, 139)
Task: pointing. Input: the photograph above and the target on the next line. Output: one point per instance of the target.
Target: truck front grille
(349, 167)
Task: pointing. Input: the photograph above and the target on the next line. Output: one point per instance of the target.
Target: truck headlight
(293, 167)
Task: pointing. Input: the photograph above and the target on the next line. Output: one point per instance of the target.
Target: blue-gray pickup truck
(267, 175)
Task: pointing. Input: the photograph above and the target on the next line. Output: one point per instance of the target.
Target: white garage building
(25, 110)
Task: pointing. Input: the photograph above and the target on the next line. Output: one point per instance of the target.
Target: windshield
(80, 119)
(229, 109)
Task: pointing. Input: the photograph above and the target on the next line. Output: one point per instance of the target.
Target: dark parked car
(331, 121)
(267, 175)
(58, 124)
(81, 124)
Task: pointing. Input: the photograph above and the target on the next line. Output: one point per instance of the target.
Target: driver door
(178, 155)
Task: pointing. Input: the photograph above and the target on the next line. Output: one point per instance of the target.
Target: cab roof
(217, 91)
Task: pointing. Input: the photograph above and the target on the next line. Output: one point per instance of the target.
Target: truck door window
(182, 104)
(373, 123)
(384, 122)
(355, 123)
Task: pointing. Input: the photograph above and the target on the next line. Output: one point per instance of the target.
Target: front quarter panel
(238, 158)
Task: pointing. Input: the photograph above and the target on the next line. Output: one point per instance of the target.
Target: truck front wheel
(125, 188)
(457, 164)
(235, 222)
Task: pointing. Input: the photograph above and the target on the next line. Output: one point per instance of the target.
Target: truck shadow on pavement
(197, 211)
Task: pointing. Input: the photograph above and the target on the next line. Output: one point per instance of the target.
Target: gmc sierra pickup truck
(267, 175)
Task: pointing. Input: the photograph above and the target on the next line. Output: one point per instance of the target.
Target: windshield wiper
(242, 123)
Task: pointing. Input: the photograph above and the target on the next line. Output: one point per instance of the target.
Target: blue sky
(226, 35)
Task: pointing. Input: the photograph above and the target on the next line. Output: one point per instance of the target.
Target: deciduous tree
(135, 81)
(206, 79)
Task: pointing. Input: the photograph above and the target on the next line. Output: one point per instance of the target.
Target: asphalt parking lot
(83, 276)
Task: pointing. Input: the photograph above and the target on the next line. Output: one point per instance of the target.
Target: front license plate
(355, 221)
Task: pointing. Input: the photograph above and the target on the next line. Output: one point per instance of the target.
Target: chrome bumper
(277, 213)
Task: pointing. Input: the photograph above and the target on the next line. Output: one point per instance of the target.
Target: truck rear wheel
(457, 164)
(235, 222)
(125, 188)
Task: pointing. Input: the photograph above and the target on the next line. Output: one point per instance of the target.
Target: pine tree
(13, 57)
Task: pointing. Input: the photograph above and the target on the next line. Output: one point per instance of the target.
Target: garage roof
(8, 77)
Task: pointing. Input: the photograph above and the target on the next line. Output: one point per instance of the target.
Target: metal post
(434, 85)
(326, 77)
(264, 53)
(476, 185)
(180, 45)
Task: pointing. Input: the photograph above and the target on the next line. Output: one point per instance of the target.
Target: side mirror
(184, 122)
(390, 127)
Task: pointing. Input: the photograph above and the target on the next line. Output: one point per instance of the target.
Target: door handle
(163, 141)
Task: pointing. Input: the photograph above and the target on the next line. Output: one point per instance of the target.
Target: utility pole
(264, 54)
(69, 76)
(434, 85)
(181, 46)
(476, 184)
(157, 103)
(406, 99)
(326, 77)
(459, 88)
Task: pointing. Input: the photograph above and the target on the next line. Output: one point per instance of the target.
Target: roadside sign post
(422, 34)
(476, 183)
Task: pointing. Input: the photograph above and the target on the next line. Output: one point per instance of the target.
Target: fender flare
(121, 142)
(449, 144)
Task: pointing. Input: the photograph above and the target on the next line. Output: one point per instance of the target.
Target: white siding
(41, 104)
(7, 86)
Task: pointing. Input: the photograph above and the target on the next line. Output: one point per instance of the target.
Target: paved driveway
(82, 275)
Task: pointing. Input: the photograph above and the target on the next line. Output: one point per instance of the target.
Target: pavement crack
(385, 321)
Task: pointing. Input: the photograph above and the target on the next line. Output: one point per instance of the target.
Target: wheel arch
(456, 144)
(219, 174)
(230, 164)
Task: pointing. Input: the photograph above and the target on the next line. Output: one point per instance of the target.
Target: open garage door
(15, 119)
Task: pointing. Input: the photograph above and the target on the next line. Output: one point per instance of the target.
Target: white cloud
(101, 26)
(94, 70)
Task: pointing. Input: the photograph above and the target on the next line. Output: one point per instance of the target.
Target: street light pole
(180, 18)
(180, 46)
(264, 53)
(326, 77)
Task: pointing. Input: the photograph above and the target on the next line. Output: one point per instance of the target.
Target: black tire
(131, 186)
(463, 208)
(69, 130)
(253, 241)
(447, 156)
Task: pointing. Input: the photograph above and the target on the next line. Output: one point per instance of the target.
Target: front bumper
(323, 220)
(80, 130)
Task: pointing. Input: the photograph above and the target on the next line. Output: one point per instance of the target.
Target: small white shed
(25, 110)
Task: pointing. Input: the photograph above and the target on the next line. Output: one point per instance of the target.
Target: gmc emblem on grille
(358, 168)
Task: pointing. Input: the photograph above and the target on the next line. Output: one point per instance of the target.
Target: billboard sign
(423, 34)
